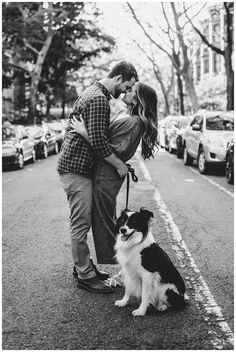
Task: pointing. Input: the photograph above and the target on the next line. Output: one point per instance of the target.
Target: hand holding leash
(122, 170)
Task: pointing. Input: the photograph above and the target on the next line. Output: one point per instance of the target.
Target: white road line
(214, 183)
(202, 294)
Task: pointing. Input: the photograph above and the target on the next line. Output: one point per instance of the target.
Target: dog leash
(134, 178)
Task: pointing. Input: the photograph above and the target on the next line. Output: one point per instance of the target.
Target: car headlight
(216, 143)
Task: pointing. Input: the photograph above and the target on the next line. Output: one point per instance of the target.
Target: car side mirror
(196, 127)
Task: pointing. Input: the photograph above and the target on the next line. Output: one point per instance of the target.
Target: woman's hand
(79, 127)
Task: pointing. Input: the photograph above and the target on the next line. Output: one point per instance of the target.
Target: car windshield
(219, 123)
(8, 134)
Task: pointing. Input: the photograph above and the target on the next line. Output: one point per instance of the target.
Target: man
(76, 162)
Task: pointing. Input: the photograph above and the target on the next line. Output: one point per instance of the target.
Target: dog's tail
(176, 300)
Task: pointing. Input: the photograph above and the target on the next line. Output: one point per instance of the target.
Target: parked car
(17, 146)
(206, 138)
(45, 140)
(170, 131)
(59, 128)
(181, 127)
(172, 134)
(229, 167)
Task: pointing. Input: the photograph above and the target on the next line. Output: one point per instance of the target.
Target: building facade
(205, 60)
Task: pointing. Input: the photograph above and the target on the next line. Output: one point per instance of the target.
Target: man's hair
(125, 69)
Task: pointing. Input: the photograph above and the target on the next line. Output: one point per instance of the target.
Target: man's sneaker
(94, 285)
(102, 275)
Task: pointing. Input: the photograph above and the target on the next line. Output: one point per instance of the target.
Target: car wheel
(229, 171)
(56, 148)
(45, 151)
(166, 144)
(20, 161)
(33, 159)
(188, 160)
(201, 162)
(179, 152)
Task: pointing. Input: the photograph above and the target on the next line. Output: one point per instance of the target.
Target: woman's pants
(106, 186)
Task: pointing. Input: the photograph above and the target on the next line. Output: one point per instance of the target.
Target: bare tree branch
(203, 37)
(30, 47)
(191, 7)
(146, 33)
(170, 85)
(14, 65)
(158, 76)
(168, 26)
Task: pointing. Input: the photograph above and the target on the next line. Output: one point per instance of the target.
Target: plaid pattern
(77, 155)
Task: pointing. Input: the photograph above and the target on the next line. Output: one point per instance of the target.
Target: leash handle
(134, 178)
(132, 171)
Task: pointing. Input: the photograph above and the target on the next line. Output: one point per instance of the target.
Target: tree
(227, 52)
(175, 49)
(45, 38)
(158, 75)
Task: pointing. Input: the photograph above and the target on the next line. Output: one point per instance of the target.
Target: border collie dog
(148, 272)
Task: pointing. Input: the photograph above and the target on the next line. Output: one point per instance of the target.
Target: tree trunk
(63, 103)
(36, 74)
(230, 78)
(49, 103)
(164, 91)
(180, 93)
(189, 85)
(32, 102)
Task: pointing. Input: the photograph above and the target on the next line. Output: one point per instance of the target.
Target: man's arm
(80, 128)
(97, 127)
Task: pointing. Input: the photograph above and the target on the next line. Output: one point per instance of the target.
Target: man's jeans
(79, 195)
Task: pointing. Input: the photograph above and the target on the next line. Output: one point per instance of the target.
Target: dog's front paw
(162, 308)
(138, 312)
(120, 303)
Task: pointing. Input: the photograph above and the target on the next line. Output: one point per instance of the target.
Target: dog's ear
(148, 214)
(119, 221)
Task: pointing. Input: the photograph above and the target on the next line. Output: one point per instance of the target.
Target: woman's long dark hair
(146, 109)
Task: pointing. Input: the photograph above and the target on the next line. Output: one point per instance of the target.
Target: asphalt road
(43, 308)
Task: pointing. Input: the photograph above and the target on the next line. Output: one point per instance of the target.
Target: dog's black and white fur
(147, 270)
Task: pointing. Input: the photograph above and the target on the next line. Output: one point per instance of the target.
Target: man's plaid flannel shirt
(77, 155)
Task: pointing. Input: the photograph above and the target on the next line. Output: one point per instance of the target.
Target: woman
(126, 130)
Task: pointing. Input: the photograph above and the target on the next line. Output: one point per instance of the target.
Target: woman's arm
(79, 127)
